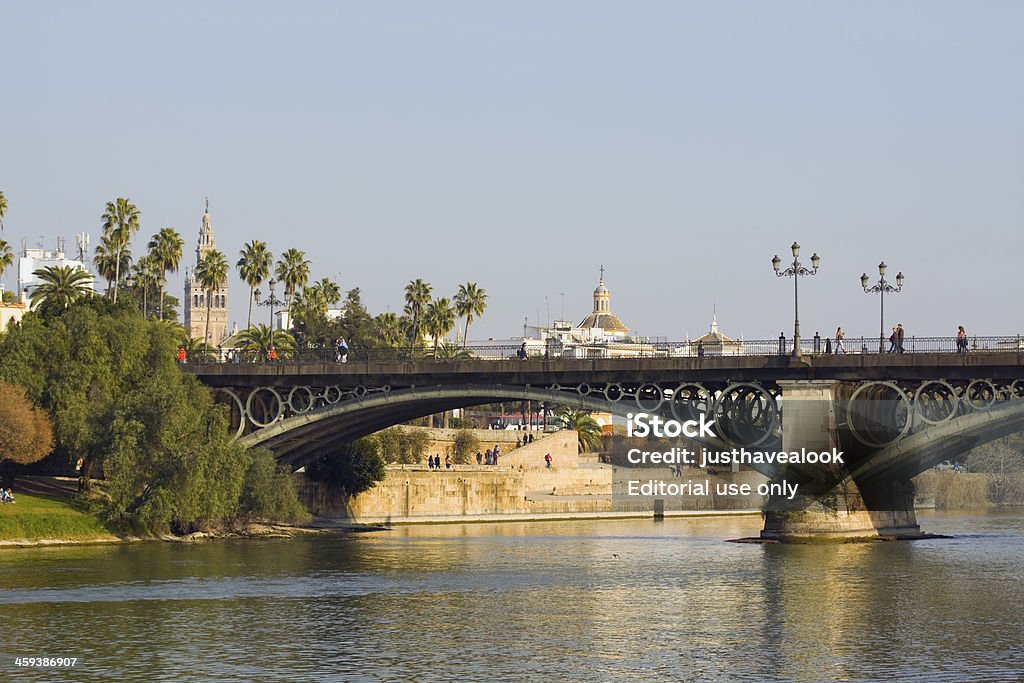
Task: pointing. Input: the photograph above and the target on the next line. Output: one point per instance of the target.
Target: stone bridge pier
(832, 502)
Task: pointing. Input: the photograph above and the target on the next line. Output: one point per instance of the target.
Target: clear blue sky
(522, 145)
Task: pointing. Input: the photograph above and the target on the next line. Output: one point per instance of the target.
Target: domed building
(602, 317)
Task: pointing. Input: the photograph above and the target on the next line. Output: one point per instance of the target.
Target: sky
(523, 145)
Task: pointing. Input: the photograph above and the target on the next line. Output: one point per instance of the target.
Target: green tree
(165, 251)
(330, 289)
(61, 286)
(292, 271)
(439, 320)
(587, 428)
(211, 274)
(26, 432)
(268, 491)
(354, 467)
(118, 400)
(3, 209)
(253, 266)
(452, 351)
(417, 298)
(387, 330)
(120, 222)
(470, 303)
(465, 446)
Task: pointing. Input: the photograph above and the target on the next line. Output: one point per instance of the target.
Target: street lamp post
(881, 287)
(796, 271)
(271, 301)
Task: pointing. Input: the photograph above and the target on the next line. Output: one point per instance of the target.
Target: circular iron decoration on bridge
(881, 416)
(746, 414)
(649, 397)
(980, 394)
(613, 392)
(555, 387)
(263, 412)
(359, 391)
(299, 403)
(936, 401)
(1016, 389)
(583, 389)
(239, 413)
(332, 394)
(689, 400)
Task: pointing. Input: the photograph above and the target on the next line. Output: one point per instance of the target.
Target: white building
(38, 258)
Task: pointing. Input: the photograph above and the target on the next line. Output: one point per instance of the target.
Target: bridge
(893, 415)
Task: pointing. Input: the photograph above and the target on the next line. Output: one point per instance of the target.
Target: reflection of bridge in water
(894, 416)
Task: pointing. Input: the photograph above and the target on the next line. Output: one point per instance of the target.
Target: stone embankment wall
(520, 485)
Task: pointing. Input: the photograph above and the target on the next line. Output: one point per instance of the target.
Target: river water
(631, 600)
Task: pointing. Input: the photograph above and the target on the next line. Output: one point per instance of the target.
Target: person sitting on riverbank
(6, 496)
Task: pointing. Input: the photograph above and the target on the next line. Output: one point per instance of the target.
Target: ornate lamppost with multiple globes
(881, 287)
(271, 301)
(796, 271)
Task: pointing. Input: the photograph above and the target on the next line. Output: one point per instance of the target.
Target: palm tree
(439, 319)
(3, 209)
(165, 249)
(293, 272)
(109, 262)
(256, 341)
(6, 257)
(120, 222)
(588, 431)
(254, 267)
(330, 289)
(195, 349)
(417, 298)
(449, 351)
(309, 304)
(470, 303)
(61, 285)
(388, 329)
(211, 274)
(145, 276)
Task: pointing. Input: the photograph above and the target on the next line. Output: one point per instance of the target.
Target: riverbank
(51, 519)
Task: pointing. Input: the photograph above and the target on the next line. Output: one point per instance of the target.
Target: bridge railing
(780, 346)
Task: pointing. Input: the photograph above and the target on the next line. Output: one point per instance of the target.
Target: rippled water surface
(593, 600)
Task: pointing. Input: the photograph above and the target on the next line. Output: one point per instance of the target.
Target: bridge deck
(850, 367)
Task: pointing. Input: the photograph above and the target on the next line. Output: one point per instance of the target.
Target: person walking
(840, 335)
(343, 349)
(961, 340)
(899, 337)
(892, 341)
(183, 356)
(547, 460)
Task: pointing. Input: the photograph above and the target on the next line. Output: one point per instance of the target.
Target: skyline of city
(522, 148)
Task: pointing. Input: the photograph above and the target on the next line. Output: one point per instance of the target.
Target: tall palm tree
(417, 298)
(309, 304)
(165, 249)
(61, 285)
(588, 431)
(211, 274)
(120, 222)
(439, 319)
(470, 303)
(110, 262)
(254, 267)
(293, 272)
(6, 257)
(3, 209)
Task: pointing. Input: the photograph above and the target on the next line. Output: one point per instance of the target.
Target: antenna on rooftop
(82, 240)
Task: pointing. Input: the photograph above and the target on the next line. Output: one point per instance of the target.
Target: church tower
(195, 295)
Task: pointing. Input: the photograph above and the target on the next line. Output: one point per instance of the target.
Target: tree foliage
(464, 447)
(354, 467)
(118, 400)
(402, 446)
(587, 428)
(26, 433)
